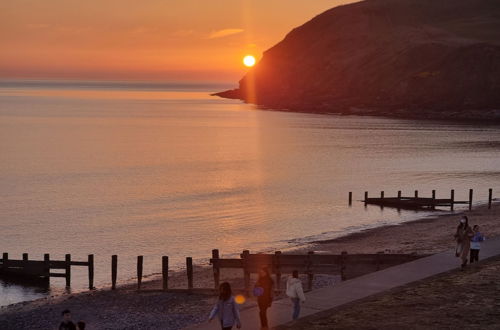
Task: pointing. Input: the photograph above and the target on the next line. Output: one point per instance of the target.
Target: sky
(176, 40)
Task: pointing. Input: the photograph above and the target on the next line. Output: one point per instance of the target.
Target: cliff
(409, 58)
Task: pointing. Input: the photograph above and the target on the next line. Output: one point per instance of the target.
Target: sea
(165, 169)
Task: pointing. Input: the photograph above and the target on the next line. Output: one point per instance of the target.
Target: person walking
(66, 323)
(226, 308)
(264, 291)
(475, 244)
(295, 291)
(463, 236)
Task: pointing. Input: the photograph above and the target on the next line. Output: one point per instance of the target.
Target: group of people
(226, 308)
(468, 245)
(67, 322)
(468, 242)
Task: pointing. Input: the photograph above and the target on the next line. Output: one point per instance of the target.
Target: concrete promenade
(358, 288)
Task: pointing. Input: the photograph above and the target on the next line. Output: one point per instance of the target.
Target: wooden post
(164, 271)
(114, 270)
(382, 194)
(490, 197)
(46, 262)
(379, 260)
(433, 194)
(246, 273)
(277, 265)
(416, 193)
(5, 259)
(399, 194)
(470, 199)
(452, 198)
(215, 268)
(25, 257)
(140, 261)
(366, 197)
(68, 270)
(91, 271)
(343, 262)
(310, 275)
(350, 198)
(189, 269)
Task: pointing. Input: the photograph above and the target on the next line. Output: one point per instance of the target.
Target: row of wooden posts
(345, 265)
(452, 197)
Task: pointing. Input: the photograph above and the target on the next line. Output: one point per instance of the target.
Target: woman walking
(264, 291)
(463, 236)
(226, 308)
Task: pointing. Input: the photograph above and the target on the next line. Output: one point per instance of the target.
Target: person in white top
(295, 291)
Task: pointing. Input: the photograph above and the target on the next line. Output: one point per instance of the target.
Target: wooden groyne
(42, 270)
(415, 202)
(345, 265)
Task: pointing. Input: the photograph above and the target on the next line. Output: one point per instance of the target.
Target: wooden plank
(189, 271)
(57, 275)
(227, 263)
(164, 271)
(277, 268)
(215, 267)
(22, 263)
(90, 259)
(114, 271)
(246, 271)
(310, 274)
(57, 264)
(68, 270)
(490, 197)
(79, 263)
(140, 261)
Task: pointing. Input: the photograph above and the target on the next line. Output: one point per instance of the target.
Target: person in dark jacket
(264, 291)
(66, 323)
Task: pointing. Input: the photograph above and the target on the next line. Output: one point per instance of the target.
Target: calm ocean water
(165, 169)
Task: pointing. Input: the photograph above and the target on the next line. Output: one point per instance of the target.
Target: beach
(454, 300)
(125, 308)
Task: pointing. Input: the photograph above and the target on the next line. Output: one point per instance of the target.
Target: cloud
(224, 33)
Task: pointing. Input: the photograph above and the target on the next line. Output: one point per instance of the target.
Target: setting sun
(249, 60)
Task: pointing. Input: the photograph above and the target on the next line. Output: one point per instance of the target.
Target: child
(295, 292)
(66, 323)
(475, 245)
(226, 308)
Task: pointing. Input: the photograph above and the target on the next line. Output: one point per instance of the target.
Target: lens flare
(240, 299)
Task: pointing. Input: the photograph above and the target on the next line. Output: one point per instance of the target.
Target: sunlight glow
(249, 60)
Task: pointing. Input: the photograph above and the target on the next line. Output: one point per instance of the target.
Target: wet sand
(126, 308)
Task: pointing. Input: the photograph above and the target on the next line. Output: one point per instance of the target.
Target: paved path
(358, 288)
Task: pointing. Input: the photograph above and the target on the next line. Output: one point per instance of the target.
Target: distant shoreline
(489, 116)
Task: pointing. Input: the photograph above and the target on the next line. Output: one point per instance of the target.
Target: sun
(249, 61)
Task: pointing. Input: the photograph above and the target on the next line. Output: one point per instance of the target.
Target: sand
(456, 300)
(126, 308)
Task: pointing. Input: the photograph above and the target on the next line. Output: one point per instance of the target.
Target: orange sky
(143, 39)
